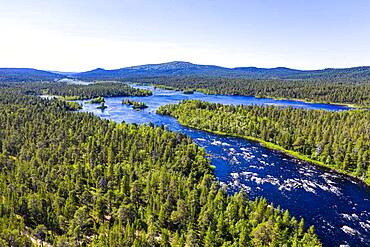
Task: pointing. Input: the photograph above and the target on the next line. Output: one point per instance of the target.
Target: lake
(338, 207)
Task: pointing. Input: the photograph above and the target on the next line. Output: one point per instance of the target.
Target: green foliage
(188, 91)
(136, 105)
(73, 179)
(339, 140)
(73, 106)
(76, 91)
(102, 106)
(348, 90)
(97, 100)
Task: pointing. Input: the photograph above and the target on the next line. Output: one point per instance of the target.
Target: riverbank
(291, 153)
(314, 193)
(208, 92)
(354, 106)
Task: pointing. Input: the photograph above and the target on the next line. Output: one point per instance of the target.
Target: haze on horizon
(83, 35)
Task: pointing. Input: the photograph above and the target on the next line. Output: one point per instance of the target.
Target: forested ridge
(72, 179)
(27, 75)
(328, 90)
(76, 91)
(181, 69)
(339, 140)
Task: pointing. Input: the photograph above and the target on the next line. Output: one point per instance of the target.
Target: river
(337, 206)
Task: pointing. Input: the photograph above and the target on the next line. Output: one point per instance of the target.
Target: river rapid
(337, 206)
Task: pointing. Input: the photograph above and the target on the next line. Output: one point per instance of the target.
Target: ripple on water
(201, 139)
(315, 194)
(365, 226)
(350, 231)
(290, 184)
(234, 161)
(256, 167)
(216, 143)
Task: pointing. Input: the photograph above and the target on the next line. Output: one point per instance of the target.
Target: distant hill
(188, 69)
(24, 74)
(62, 72)
(181, 69)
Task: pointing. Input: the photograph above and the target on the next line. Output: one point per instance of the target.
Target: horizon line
(181, 61)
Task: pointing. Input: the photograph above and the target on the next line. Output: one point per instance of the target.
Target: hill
(178, 68)
(26, 74)
(186, 69)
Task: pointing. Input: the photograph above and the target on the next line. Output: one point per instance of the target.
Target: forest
(75, 91)
(72, 179)
(326, 90)
(135, 104)
(338, 140)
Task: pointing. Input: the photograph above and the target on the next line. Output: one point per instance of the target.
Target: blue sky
(81, 35)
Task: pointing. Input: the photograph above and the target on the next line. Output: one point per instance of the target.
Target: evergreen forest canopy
(327, 90)
(76, 91)
(339, 140)
(135, 104)
(343, 86)
(69, 179)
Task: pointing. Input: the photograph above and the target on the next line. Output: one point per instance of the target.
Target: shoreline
(201, 90)
(290, 153)
(352, 106)
(349, 105)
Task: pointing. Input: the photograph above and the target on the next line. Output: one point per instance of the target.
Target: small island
(98, 100)
(102, 106)
(73, 106)
(136, 105)
(188, 91)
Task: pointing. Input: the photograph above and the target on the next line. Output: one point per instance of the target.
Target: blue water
(338, 207)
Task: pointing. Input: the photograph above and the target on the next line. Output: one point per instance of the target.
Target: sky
(80, 35)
